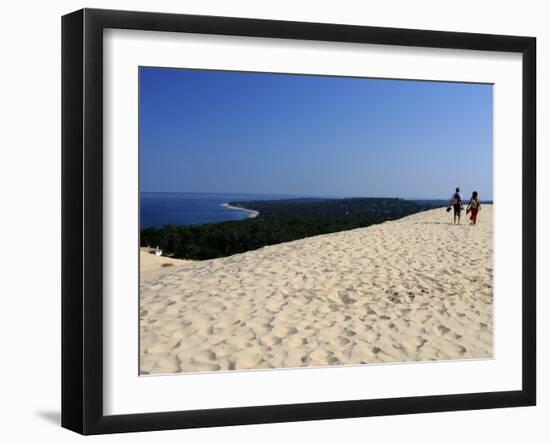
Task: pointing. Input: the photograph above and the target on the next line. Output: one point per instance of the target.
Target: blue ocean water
(181, 209)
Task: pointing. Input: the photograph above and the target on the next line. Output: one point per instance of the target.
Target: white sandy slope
(150, 263)
(414, 289)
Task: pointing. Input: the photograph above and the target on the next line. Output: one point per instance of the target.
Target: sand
(150, 263)
(251, 212)
(414, 289)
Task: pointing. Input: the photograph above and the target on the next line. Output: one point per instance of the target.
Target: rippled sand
(414, 289)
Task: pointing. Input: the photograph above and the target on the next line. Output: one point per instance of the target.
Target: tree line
(278, 221)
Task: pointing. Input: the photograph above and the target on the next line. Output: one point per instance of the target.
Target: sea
(187, 208)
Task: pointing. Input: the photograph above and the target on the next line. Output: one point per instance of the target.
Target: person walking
(474, 207)
(457, 205)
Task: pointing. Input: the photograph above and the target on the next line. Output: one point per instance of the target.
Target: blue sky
(237, 132)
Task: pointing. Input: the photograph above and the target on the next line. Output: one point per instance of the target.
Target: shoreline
(251, 213)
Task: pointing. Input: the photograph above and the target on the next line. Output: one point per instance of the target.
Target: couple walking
(456, 203)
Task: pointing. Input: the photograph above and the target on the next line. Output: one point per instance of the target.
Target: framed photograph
(269, 221)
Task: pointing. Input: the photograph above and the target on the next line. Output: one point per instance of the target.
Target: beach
(414, 289)
(251, 212)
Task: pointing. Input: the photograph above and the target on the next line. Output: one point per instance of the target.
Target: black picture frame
(82, 215)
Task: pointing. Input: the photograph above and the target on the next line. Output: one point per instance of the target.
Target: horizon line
(300, 195)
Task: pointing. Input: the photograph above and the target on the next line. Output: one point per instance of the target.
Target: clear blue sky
(217, 131)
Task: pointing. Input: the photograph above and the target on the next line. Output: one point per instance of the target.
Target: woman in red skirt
(474, 207)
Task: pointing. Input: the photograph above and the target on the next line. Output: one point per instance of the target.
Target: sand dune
(151, 263)
(414, 289)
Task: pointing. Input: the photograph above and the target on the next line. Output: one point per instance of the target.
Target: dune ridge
(414, 289)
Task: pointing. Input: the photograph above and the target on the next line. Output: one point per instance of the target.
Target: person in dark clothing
(457, 205)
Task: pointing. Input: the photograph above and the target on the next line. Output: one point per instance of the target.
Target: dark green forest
(278, 221)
